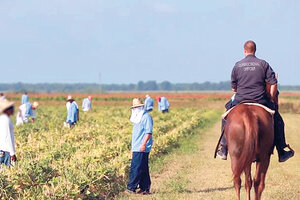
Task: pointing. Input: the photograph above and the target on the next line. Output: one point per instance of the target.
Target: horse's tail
(250, 147)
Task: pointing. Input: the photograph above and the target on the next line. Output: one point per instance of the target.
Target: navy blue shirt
(249, 77)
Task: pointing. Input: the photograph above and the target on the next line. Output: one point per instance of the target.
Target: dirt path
(191, 172)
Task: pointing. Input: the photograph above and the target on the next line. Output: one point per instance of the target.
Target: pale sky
(68, 41)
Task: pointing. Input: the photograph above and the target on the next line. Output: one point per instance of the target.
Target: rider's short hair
(250, 46)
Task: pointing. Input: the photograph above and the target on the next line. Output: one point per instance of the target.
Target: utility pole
(100, 82)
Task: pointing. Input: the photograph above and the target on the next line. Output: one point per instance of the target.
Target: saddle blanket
(252, 104)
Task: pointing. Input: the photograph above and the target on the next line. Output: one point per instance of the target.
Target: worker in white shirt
(2, 97)
(7, 139)
(26, 110)
(87, 104)
(163, 104)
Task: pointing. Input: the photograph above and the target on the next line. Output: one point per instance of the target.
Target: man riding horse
(248, 80)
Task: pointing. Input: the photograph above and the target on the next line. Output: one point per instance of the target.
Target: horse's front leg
(248, 181)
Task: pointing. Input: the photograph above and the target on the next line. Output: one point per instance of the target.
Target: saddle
(251, 104)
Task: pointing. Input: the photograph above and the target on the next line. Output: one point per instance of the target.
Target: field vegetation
(90, 161)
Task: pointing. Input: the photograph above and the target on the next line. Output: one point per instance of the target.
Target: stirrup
(292, 150)
(222, 153)
(222, 156)
(286, 154)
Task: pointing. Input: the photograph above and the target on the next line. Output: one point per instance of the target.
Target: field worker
(158, 102)
(68, 105)
(249, 78)
(68, 102)
(2, 97)
(141, 144)
(26, 110)
(25, 98)
(7, 139)
(148, 103)
(157, 99)
(163, 105)
(72, 112)
(87, 104)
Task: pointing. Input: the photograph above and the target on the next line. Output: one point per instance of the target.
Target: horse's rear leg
(260, 175)
(237, 185)
(248, 181)
(236, 177)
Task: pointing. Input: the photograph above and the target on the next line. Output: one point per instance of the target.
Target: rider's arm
(233, 80)
(273, 91)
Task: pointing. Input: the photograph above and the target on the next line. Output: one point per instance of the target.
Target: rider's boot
(279, 139)
(222, 149)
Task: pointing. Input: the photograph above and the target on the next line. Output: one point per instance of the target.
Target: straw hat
(137, 103)
(35, 104)
(4, 104)
(69, 98)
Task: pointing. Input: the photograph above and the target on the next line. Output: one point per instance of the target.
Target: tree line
(140, 86)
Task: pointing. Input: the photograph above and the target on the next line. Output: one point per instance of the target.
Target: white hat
(69, 98)
(35, 104)
(137, 103)
(4, 104)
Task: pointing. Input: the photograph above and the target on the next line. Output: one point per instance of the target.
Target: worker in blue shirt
(72, 112)
(163, 105)
(148, 103)
(25, 98)
(141, 144)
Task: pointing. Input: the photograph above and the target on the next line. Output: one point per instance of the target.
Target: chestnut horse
(249, 132)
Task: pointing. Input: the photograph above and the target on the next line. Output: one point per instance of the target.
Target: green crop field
(90, 161)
